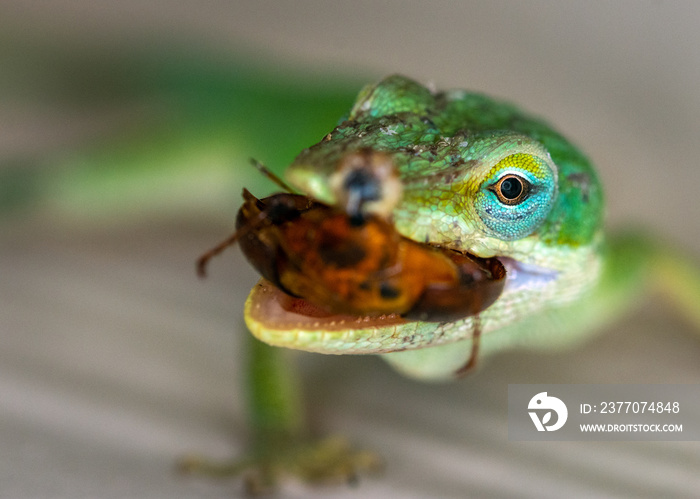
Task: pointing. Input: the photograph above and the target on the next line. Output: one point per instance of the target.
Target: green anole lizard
(218, 108)
(478, 176)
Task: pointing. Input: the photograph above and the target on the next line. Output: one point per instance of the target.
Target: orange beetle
(345, 265)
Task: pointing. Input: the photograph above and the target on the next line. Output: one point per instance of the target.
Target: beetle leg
(474, 355)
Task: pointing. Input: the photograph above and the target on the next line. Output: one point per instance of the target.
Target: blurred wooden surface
(115, 358)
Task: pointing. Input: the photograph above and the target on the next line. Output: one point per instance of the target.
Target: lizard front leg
(283, 445)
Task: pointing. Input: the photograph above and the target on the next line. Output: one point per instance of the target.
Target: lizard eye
(511, 189)
(516, 195)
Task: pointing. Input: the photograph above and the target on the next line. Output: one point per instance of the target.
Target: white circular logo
(541, 403)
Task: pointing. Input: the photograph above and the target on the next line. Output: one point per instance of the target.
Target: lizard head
(454, 169)
(476, 174)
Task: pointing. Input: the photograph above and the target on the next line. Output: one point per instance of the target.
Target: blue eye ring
(516, 195)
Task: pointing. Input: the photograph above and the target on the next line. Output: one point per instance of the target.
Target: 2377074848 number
(639, 407)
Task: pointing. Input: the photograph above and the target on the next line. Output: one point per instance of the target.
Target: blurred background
(125, 133)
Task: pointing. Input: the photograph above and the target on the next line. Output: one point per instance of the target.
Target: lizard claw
(329, 461)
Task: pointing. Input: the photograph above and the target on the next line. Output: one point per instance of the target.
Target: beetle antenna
(271, 176)
(252, 223)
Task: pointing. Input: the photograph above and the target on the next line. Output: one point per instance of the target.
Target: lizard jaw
(280, 320)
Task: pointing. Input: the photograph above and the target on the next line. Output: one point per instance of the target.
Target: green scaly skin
(566, 279)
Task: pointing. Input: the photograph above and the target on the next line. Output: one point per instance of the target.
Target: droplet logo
(541, 403)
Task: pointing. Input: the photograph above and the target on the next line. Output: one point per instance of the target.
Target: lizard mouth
(270, 307)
